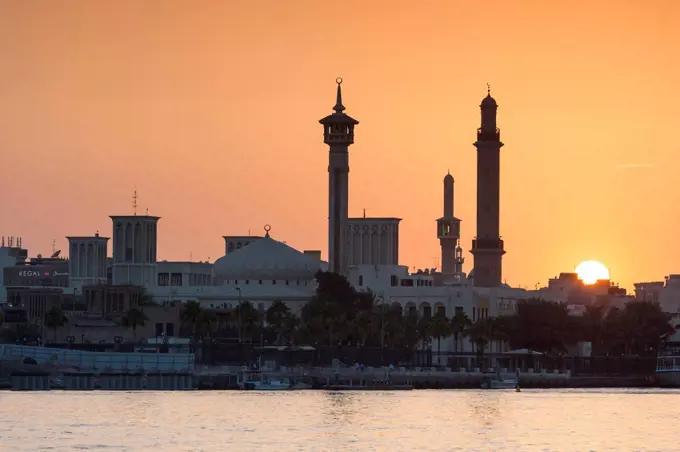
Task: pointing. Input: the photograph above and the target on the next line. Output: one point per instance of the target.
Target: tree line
(339, 315)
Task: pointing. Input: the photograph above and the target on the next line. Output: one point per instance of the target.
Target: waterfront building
(568, 288)
(666, 292)
(262, 269)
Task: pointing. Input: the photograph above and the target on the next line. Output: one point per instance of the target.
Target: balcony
(487, 244)
(486, 135)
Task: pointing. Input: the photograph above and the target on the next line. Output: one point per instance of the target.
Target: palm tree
(410, 330)
(591, 326)
(460, 323)
(191, 315)
(132, 319)
(277, 317)
(393, 325)
(481, 333)
(364, 324)
(55, 318)
(423, 330)
(204, 322)
(439, 327)
(250, 318)
(290, 327)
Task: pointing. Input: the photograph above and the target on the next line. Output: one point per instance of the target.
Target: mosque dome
(267, 259)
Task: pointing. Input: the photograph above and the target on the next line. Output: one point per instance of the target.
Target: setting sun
(591, 271)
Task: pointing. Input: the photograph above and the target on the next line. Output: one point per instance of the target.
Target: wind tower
(448, 232)
(338, 134)
(487, 247)
(87, 260)
(135, 242)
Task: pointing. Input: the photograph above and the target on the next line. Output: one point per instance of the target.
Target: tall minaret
(338, 134)
(448, 232)
(487, 247)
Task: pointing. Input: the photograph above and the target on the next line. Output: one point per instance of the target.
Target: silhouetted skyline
(209, 110)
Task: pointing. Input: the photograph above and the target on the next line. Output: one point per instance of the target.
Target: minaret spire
(338, 134)
(488, 247)
(338, 103)
(448, 230)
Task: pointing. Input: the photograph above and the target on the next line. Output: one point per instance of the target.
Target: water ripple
(305, 421)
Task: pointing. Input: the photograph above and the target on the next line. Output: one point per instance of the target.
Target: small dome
(267, 259)
(448, 177)
(489, 101)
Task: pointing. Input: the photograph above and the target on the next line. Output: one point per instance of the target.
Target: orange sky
(210, 109)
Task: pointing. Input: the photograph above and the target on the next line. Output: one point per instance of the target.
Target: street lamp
(238, 289)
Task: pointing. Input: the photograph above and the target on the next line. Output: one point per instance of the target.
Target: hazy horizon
(210, 111)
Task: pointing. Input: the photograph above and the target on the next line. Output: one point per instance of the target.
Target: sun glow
(591, 271)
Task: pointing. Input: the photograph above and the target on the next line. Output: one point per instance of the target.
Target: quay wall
(99, 361)
(41, 381)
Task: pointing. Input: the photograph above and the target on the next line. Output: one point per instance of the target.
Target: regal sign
(31, 273)
(41, 273)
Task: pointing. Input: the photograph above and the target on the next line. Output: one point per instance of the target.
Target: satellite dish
(55, 254)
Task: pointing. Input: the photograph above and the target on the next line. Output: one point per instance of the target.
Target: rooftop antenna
(488, 89)
(3, 241)
(54, 246)
(364, 212)
(134, 202)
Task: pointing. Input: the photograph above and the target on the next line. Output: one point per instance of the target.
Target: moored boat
(506, 383)
(375, 385)
(499, 381)
(392, 387)
(267, 385)
(668, 360)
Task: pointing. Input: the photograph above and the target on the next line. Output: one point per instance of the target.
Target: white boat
(668, 360)
(266, 384)
(506, 383)
(498, 381)
(258, 381)
(668, 368)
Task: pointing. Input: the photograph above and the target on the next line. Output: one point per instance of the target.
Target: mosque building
(262, 269)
